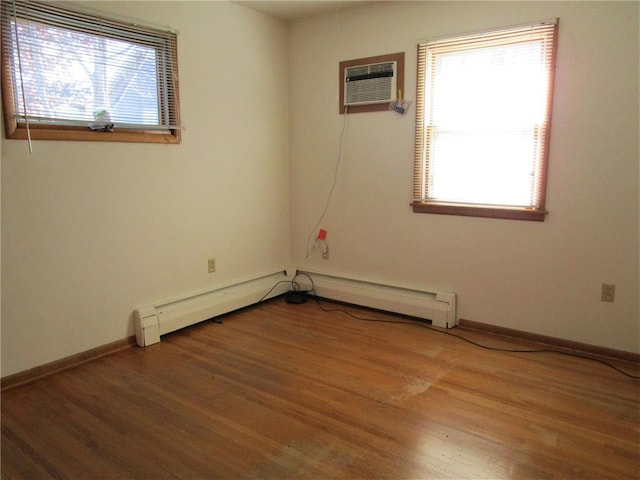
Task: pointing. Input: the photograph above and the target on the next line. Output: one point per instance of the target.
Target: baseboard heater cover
(153, 321)
(437, 306)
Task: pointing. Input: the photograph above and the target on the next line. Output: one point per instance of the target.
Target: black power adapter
(296, 297)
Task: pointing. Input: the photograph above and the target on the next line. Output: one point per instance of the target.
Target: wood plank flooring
(284, 391)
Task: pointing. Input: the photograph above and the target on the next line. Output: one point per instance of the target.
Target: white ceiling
(296, 9)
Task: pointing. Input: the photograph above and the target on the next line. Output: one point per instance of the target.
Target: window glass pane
(70, 75)
(491, 168)
(499, 86)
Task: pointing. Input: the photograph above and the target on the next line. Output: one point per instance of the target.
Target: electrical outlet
(608, 292)
(212, 265)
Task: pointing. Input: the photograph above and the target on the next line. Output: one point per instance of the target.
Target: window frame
(54, 131)
(420, 204)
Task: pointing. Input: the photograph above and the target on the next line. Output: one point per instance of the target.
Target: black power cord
(295, 288)
(486, 347)
(312, 292)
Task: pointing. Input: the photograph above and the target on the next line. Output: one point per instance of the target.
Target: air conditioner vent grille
(370, 70)
(368, 84)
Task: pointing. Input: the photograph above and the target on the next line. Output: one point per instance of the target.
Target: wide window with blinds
(72, 75)
(483, 108)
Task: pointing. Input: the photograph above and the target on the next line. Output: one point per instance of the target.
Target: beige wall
(537, 277)
(90, 231)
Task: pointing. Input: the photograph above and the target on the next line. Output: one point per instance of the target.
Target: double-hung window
(72, 75)
(483, 108)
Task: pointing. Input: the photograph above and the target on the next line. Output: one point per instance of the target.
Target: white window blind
(483, 116)
(72, 68)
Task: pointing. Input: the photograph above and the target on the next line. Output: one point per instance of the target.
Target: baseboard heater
(439, 307)
(153, 321)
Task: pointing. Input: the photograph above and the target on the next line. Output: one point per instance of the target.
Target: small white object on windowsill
(103, 122)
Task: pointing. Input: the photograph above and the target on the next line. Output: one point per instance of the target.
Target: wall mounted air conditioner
(370, 84)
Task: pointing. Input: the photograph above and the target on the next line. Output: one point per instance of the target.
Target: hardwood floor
(290, 391)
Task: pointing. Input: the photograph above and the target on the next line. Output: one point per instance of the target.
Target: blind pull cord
(24, 98)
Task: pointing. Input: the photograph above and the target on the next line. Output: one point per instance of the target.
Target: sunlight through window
(483, 121)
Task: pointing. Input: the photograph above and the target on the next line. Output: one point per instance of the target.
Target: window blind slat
(420, 155)
(489, 35)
